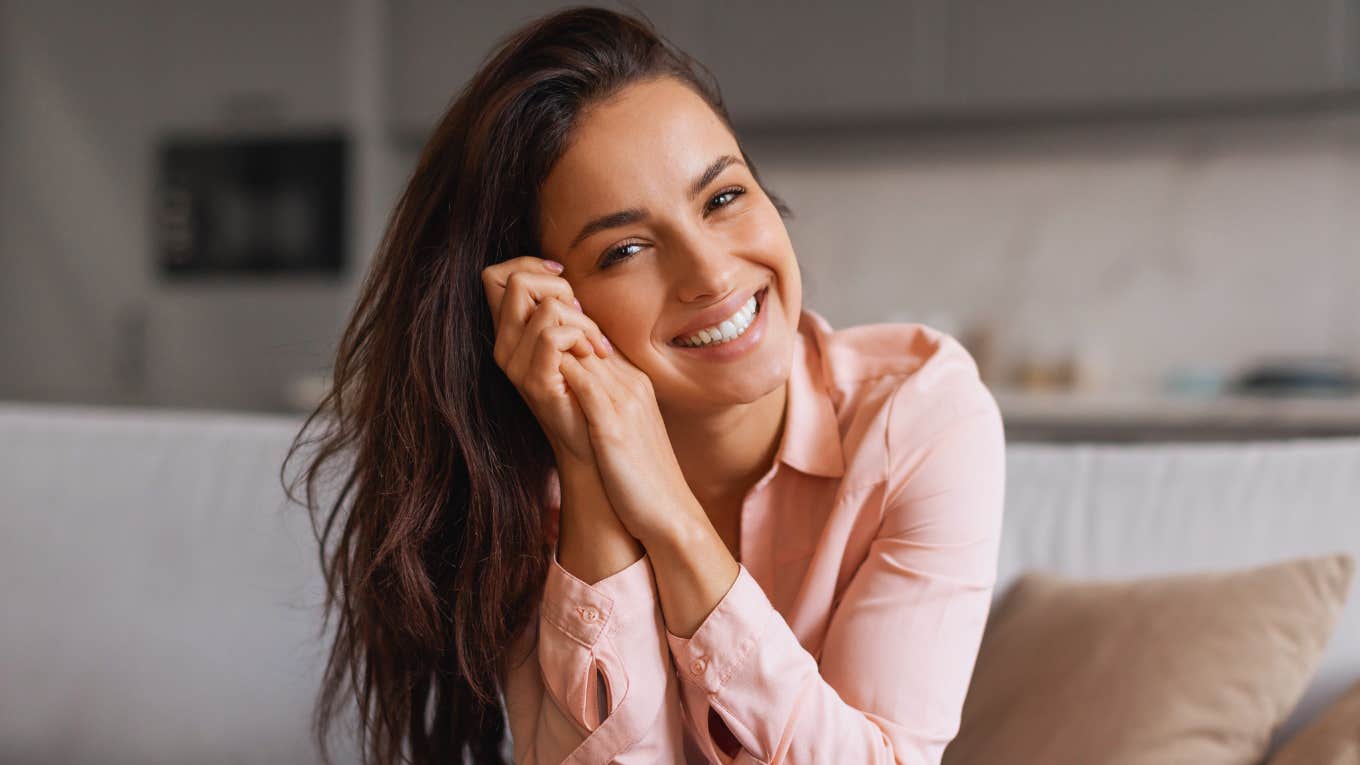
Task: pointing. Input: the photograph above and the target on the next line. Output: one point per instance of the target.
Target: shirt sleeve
(591, 681)
(901, 644)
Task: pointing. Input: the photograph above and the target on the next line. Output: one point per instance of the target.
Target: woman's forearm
(592, 543)
(598, 641)
(694, 570)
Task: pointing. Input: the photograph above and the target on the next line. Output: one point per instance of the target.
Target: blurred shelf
(1142, 416)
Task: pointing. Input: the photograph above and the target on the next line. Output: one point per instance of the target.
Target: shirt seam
(749, 733)
(889, 448)
(585, 732)
(629, 698)
(570, 634)
(945, 339)
(745, 651)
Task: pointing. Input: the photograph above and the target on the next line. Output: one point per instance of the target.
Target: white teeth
(728, 329)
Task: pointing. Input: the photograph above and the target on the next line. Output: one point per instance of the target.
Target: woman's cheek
(761, 230)
(620, 314)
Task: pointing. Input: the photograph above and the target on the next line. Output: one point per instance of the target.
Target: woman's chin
(739, 371)
(756, 375)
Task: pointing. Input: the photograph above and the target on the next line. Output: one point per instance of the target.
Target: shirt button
(590, 614)
(697, 666)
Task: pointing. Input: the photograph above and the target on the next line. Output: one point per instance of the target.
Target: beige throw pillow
(1332, 739)
(1188, 668)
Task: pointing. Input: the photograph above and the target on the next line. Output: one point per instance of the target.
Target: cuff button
(698, 666)
(590, 614)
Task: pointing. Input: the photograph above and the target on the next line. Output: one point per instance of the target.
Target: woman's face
(661, 226)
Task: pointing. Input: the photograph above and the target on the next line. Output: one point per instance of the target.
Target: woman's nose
(706, 269)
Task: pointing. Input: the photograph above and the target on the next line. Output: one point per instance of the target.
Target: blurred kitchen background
(1142, 218)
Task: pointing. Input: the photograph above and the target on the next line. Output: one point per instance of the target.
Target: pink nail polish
(554, 266)
(577, 302)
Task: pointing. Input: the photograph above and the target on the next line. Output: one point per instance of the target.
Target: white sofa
(161, 600)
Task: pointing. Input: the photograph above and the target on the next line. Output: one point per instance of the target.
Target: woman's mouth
(731, 336)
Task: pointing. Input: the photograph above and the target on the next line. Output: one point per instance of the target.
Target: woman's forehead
(646, 143)
(658, 124)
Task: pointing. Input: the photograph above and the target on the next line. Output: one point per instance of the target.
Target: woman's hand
(538, 322)
(538, 325)
(633, 452)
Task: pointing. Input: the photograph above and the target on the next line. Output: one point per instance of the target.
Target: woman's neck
(724, 453)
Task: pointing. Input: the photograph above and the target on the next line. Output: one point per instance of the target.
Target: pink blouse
(868, 559)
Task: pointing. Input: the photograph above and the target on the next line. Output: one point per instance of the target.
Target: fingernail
(608, 345)
(577, 302)
(553, 266)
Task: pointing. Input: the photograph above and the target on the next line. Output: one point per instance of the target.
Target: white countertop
(1149, 408)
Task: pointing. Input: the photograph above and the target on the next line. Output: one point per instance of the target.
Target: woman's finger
(543, 368)
(524, 291)
(591, 391)
(550, 313)
(572, 314)
(608, 371)
(561, 340)
(495, 277)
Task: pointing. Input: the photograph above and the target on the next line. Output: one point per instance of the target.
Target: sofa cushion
(1332, 739)
(1125, 511)
(1192, 667)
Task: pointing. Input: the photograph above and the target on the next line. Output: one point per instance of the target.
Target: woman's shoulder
(898, 382)
(915, 360)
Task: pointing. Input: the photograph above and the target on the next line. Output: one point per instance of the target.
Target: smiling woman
(666, 233)
(607, 485)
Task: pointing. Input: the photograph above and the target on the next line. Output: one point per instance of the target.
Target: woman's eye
(623, 252)
(616, 254)
(733, 192)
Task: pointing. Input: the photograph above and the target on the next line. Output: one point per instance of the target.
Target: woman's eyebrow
(637, 214)
(711, 172)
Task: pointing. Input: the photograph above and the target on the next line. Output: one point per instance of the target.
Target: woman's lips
(739, 346)
(715, 316)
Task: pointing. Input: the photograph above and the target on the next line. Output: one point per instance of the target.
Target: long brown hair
(432, 546)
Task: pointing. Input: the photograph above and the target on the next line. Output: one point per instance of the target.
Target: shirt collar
(811, 441)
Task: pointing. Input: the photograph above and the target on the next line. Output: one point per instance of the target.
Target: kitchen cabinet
(252, 63)
(785, 63)
(437, 46)
(776, 60)
(782, 61)
(804, 63)
(1037, 54)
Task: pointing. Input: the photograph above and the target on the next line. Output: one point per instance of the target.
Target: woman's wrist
(592, 543)
(694, 571)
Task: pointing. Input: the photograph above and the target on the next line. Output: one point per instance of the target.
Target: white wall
(1222, 241)
(1219, 241)
(84, 91)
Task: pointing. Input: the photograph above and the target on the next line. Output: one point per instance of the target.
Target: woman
(606, 467)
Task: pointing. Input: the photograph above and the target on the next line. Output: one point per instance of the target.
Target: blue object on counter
(1196, 380)
(1308, 376)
